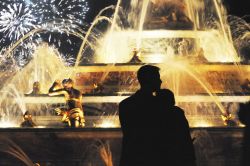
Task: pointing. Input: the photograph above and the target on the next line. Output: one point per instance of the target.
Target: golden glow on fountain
(6, 124)
(214, 39)
(111, 121)
(107, 124)
(41, 127)
(217, 49)
(114, 49)
(45, 67)
(117, 47)
(201, 123)
(159, 45)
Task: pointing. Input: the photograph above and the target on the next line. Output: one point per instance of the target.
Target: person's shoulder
(128, 100)
(166, 90)
(178, 110)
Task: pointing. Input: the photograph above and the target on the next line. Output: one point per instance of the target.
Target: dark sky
(238, 7)
(95, 6)
(235, 7)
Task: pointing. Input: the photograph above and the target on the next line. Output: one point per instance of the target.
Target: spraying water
(45, 68)
(182, 31)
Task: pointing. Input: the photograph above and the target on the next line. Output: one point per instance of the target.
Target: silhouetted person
(179, 127)
(166, 96)
(244, 117)
(155, 132)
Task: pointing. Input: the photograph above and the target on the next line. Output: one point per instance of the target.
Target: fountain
(190, 40)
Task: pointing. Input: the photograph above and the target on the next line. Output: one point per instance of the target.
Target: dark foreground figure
(244, 117)
(155, 132)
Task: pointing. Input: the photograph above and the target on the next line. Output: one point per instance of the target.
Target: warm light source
(108, 122)
(5, 124)
(202, 124)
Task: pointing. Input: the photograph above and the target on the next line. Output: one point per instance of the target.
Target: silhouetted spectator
(155, 132)
(244, 117)
(166, 96)
(184, 150)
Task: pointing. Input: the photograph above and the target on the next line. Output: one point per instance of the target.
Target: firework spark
(19, 17)
(56, 21)
(16, 20)
(54, 9)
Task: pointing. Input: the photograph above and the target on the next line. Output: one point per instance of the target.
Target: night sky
(95, 6)
(238, 8)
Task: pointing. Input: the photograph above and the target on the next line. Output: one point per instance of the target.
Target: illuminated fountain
(191, 42)
(202, 24)
(45, 67)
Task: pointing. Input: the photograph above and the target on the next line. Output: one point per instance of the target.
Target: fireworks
(16, 20)
(66, 9)
(240, 31)
(52, 21)
(21, 16)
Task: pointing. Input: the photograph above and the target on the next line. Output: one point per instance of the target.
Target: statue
(28, 122)
(73, 115)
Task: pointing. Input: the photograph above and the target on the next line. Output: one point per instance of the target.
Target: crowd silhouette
(155, 131)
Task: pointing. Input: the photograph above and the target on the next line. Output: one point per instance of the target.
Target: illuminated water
(178, 52)
(199, 64)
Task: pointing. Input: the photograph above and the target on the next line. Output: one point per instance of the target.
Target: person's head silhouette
(149, 78)
(166, 96)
